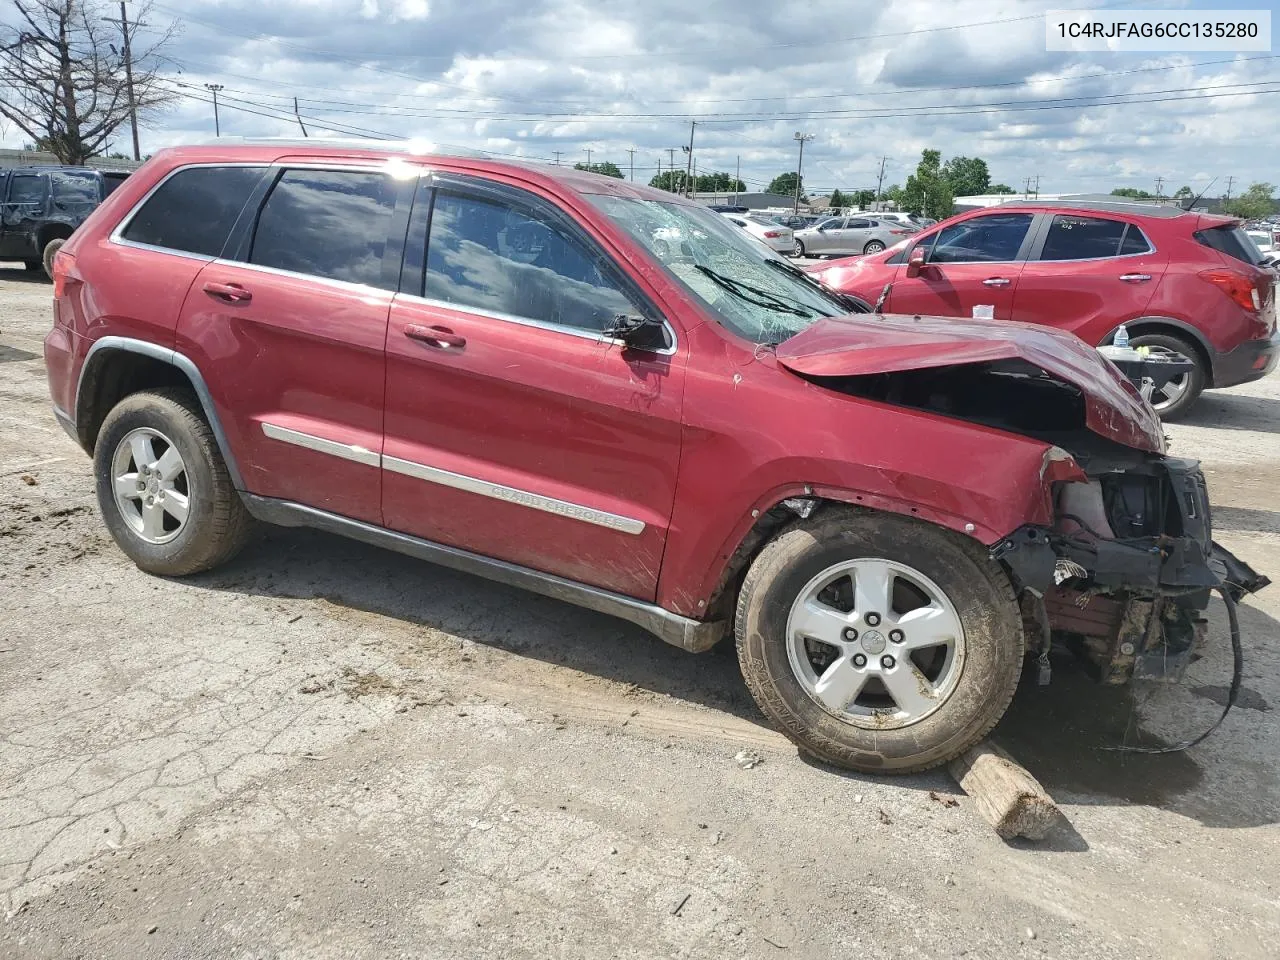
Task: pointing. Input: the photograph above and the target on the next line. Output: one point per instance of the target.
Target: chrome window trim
(524, 498)
(580, 332)
(309, 441)
(365, 288)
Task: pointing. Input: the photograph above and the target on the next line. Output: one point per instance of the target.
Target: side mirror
(916, 261)
(638, 333)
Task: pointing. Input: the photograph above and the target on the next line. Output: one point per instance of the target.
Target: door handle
(435, 336)
(1135, 277)
(996, 282)
(230, 292)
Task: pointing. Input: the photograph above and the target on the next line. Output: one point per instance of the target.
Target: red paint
(693, 445)
(1187, 286)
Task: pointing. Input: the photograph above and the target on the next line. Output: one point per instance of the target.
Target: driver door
(971, 269)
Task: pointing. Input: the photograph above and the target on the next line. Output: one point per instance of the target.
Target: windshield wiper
(744, 292)
(851, 304)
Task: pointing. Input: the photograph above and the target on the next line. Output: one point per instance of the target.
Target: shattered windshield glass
(756, 293)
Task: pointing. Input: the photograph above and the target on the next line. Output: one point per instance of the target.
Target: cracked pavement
(325, 750)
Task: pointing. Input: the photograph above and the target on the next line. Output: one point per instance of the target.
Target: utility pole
(671, 167)
(214, 88)
(1159, 184)
(1230, 182)
(737, 179)
(802, 137)
(688, 187)
(880, 183)
(632, 153)
(557, 153)
(588, 159)
(298, 116)
(127, 56)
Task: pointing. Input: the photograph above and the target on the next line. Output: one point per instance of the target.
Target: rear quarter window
(1230, 239)
(194, 210)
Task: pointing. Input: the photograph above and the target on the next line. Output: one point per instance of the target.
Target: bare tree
(63, 71)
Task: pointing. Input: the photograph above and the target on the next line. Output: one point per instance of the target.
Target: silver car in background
(775, 236)
(849, 236)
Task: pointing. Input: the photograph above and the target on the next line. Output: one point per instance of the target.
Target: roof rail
(410, 146)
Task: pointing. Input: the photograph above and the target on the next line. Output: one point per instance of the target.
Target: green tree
(1001, 188)
(894, 193)
(966, 176)
(1133, 193)
(838, 199)
(1183, 193)
(784, 184)
(607, 168)
(672, 181)
(718, 182)
(863, 198)
(1253, 203)
(927, 191)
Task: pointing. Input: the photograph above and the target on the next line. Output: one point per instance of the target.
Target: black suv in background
(42, 205)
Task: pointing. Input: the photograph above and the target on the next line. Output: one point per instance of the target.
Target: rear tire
(163, 487)
(875, 246)
(876, 730)
(50, 251)
(1175, 407)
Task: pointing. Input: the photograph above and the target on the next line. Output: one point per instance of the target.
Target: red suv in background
(1184, 284)
(614, 397)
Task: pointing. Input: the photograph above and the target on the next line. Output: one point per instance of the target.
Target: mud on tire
(216, 526)
(975, 587)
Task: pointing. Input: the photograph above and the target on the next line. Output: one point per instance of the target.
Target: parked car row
(43, 205)
(1189, 286)
(610, 395)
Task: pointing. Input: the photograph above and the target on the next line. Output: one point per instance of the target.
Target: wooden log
(1005, 794)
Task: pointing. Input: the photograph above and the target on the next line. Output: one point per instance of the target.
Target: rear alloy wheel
(163, 488)
(50, 251)
(878, 643)
(798, 250)
(1175, 398)
(875, 246)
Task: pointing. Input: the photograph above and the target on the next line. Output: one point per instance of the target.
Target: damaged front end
(1125, 573)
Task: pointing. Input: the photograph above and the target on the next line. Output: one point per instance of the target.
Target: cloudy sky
(868, 78)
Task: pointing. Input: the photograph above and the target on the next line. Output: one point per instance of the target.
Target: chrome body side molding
(695, 636)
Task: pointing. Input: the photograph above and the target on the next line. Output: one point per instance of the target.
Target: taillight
(902, 233)
(772, 234)
(61, 269)
(1235, 285)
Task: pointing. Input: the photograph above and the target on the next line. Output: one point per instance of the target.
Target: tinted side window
(1230, 239)
(194, 210)
(26, 188)
(327, 223)
(859, 224)
(1134, 241)
(993, 238)
(505, 259)
(1082, 238)
(74, 189)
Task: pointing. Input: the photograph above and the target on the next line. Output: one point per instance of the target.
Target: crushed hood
(862, 344)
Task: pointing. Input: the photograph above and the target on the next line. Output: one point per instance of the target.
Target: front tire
(798, 250)
(1176, 398)
(878, 643)
(163, 487)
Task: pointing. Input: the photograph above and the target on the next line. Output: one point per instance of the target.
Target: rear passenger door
(24, 209)
(289, 327)
(1088, 274)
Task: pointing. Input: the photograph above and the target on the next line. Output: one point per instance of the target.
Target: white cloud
(533, 77)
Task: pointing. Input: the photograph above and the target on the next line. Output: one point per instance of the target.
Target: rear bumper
(1252, 360)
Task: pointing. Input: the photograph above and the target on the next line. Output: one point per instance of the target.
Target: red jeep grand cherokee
(1184, 284)
(605, 394)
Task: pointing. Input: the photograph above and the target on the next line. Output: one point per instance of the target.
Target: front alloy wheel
(878, 642)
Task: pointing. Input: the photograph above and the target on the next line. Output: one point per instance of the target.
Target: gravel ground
(324, 750)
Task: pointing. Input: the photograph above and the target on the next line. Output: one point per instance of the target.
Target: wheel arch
(52, 231)
(1173, 327)
(116, 367)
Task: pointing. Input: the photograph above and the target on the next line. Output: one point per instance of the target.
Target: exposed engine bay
(1125, 573)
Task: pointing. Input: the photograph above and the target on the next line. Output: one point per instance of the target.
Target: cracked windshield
(757, 294)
